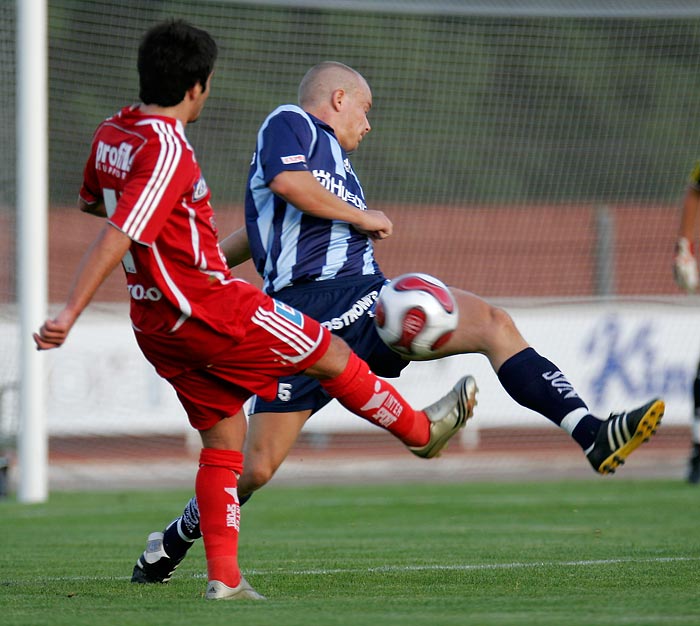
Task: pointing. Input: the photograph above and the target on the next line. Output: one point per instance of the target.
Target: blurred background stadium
(534, 152)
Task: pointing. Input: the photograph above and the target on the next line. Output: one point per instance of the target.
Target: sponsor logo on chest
(336, 185)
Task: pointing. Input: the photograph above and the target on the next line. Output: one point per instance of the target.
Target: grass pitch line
(409, 568)
(477, 567)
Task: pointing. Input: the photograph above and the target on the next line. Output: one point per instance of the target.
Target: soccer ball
(415, 315)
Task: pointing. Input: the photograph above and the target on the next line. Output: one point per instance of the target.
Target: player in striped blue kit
(302, 207)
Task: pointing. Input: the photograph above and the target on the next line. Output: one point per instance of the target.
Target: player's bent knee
(502, 320)
(503, 334)
(257, 475)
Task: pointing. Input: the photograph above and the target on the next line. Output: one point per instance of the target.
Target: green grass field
(565, 553)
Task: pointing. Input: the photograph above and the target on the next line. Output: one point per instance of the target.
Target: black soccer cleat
(622, 433)
(154, 565)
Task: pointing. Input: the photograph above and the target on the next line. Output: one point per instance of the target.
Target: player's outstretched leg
(448, 415)
(538, 384)
(425, 432)
(622, 433)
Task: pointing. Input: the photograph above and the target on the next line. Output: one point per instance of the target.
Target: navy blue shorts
(346, 307)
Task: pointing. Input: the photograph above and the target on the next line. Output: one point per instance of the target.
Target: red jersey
(183, 296)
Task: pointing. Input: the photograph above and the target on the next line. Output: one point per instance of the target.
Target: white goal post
(32, 249)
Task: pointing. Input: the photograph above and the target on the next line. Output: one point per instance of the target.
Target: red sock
(220, 512)
(362, 392)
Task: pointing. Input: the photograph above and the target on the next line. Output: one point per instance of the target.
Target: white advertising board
(617, 354)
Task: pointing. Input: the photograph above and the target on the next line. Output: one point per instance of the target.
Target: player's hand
(375, 225)
(685, 266)
(53, 333)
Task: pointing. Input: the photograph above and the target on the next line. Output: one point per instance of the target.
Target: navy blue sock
(243, 499)
(536, 383)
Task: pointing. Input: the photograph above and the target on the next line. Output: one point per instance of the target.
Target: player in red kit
(215, 338)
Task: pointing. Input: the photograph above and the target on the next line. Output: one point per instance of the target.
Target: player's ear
(191, 93)
(207, 85)
(337, 98)
(194, 91)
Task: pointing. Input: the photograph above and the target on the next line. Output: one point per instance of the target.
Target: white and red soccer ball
(415, 315)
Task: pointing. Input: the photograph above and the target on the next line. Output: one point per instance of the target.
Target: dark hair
(173, 57)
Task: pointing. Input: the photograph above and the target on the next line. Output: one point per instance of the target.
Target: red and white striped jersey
(146, 172)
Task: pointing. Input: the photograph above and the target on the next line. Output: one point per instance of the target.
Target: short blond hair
(325, 78)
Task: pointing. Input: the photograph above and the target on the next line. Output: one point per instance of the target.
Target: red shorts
(278, 341)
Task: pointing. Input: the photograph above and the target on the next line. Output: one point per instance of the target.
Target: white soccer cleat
(216, 590)
(447, 416)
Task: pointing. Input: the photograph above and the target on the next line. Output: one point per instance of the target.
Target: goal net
(533, 152)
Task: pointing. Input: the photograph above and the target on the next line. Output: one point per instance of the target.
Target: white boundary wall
(616, 354)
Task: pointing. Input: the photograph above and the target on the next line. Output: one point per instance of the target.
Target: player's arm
(97, 264)
(301, 189)
(235, 247)
(685, 267)
(90, 198)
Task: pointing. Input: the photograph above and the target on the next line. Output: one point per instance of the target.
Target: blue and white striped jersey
(289, 247)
